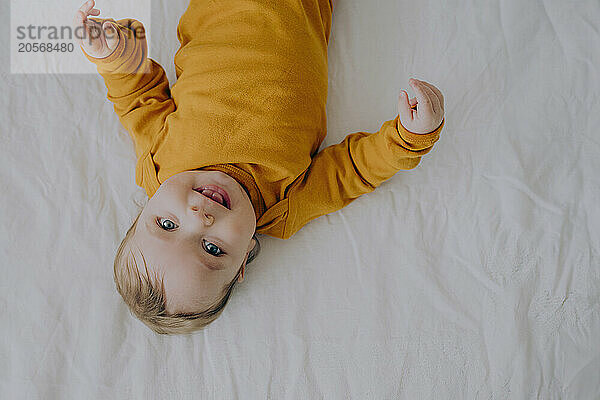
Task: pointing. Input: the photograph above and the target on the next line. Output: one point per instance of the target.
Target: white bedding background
(474, 276)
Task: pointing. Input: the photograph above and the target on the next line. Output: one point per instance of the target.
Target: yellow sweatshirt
(250, 101)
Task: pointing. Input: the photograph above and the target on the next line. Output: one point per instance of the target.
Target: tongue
(217, 197)
(213, 195)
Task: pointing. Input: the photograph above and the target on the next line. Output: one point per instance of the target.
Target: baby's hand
(97, 40)
(424, 113)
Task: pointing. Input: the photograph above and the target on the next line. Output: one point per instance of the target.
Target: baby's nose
(206, 217)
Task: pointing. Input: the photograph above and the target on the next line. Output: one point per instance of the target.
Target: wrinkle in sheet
(522, 187)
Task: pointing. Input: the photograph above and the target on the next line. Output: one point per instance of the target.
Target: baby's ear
(240, 278)
(252, 245)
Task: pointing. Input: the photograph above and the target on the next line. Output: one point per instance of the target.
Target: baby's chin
(199, 179)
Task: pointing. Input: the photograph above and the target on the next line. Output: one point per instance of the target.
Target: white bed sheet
(474, 276)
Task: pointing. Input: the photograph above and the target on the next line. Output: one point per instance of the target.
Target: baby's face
(197, 242)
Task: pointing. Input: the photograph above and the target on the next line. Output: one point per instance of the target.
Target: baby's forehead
(163, 254)
(185, 280)
(142, 261)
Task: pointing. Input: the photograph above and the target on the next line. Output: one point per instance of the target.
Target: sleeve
(137, 86)
(341, 173)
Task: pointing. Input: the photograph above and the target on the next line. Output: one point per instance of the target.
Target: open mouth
(216, 194)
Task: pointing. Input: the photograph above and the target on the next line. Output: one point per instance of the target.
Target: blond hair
(145, 294)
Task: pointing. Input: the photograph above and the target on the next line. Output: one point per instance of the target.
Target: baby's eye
(212, 248)
(166, 224)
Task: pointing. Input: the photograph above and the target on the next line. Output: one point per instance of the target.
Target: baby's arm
(341, 173)
(137, 86)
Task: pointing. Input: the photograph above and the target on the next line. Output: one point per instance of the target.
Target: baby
(231, 150)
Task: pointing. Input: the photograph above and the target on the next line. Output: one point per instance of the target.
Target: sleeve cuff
(415, 141)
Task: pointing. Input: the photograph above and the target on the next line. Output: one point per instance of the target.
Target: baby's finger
(78, 19)
(87, 6)
(404, 107)
(434, 99)
(426, 108)
(111, 35)
(94, 33)
(87, 39)
(79, 27)
(95, 11)
(437, 92)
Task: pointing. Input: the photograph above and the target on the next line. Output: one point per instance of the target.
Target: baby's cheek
(241, 231)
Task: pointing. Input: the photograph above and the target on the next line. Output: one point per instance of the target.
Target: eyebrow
(208, 262)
